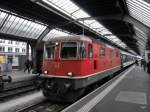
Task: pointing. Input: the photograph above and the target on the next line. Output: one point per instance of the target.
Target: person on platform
(27, 66)
(148, 67)
(31, 65)
(136, 62)
(143, 64)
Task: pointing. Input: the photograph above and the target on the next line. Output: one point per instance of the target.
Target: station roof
(123, 22)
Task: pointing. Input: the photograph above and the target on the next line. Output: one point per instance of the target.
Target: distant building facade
(13, 52)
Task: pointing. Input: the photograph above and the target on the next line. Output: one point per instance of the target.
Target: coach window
(82, 50)
(102, 51)
(90, 51)
(124, 58)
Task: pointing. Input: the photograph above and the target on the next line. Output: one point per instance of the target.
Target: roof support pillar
(37, 50)
(33, 55)
(37, 46)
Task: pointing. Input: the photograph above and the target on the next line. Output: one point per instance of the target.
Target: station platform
(128, 92)
(17, 79)
(19, 75)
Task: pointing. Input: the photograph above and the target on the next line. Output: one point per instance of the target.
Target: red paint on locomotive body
(102, 58)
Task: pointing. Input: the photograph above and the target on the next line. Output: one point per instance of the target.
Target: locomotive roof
(71, 38)
(76, 38)
(126, 53)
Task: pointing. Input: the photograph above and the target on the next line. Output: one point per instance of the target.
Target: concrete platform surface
(21, 76)
(129, 92)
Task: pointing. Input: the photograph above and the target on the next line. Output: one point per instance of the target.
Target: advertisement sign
(15, 61)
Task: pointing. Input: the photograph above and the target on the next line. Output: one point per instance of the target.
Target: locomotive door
(102, 58)
(111, 58)
(92, 64)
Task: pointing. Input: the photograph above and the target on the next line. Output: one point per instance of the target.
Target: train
(73, 63)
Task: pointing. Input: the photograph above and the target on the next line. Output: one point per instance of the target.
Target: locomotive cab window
(68, 50)
(50, 48)
(90, 51)
(82, 50)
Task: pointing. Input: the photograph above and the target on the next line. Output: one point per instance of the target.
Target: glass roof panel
(140, 10)
(144, 17)
(89, 22)
(58, 7)
(60, 2)
(142, 37)
(14, 25)
(54, 33)
(96, 25)
(141, 44)
(111, 37)
(104, 32)
(116, 40)
(39, 31)
(30, 29)
(71, 9)
(27, 29)
(65, 4)
(17, 26)
(139, 30)
(6, 24)
(80, 14)
(138, 14)
(35, 28)
(2, 17)
(101, 29)
(22, 27)
(35, 31)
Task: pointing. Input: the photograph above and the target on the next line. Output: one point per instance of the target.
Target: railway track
(16, 91)
(45, 106)
(10, 89)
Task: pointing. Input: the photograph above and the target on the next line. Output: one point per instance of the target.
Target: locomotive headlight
(45, 72)
(56, 43)
(70, 74)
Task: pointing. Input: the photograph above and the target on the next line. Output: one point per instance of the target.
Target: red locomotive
(73, 63)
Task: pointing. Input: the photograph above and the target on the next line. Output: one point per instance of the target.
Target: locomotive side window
(117, 54)
(82, 50)
(68, 50)
(90, 51)
(50, 48)
(111, 53)
(102, 51)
